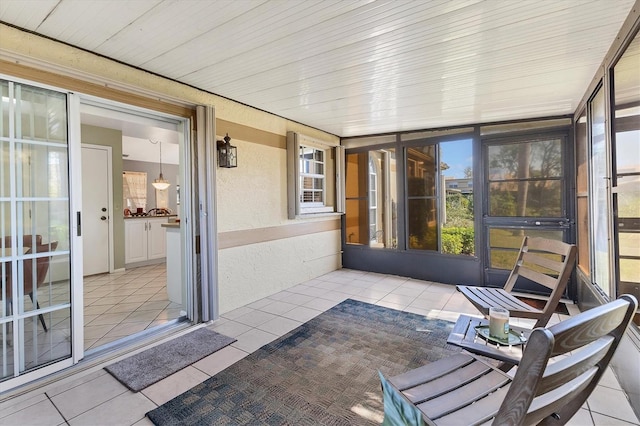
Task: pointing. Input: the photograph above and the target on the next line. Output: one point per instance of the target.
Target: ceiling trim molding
(21, 66)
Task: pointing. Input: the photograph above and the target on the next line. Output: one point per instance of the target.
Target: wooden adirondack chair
(464, 390)
(534, 265)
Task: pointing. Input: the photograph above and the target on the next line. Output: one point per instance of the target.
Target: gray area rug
(150, 366)
(322, 373)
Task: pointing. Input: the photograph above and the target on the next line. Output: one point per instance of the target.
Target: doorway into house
(131, 282)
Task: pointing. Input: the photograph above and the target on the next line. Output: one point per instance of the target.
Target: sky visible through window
(458, 156)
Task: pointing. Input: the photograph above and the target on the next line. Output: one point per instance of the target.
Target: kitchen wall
(170, 173)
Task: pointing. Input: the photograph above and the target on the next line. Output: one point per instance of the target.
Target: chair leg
(44, 324)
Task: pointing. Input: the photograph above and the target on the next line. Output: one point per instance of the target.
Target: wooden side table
(464, 335)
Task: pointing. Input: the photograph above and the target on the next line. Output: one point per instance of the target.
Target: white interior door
(96, 175)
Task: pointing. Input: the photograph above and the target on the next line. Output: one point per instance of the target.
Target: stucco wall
(254, 271)
(251, 197)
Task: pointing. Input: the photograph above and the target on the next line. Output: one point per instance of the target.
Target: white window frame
(312, 174)
(296, 207)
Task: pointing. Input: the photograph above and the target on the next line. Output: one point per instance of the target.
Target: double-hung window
(312, 177)
(312, 169)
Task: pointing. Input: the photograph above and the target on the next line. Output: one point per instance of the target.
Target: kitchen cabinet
(145, 239)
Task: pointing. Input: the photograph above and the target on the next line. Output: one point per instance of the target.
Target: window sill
(314, 215)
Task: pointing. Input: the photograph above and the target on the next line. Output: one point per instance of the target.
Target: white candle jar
(499, 323)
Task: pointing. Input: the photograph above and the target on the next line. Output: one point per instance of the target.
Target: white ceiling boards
(353, 67)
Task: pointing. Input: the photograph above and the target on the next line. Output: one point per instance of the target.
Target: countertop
(151, 216)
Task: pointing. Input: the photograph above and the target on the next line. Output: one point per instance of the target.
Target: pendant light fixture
(161, 183)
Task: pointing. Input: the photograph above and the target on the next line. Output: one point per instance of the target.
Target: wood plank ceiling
(353, 67)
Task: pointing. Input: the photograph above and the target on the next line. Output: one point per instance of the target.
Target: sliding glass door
(35, 288)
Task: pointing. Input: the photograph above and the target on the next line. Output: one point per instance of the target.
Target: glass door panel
(626, 173)
(35, 325)
(599, 189)
(422, 212)
(526, 189)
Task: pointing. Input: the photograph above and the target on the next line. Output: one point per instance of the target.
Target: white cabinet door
(135, 240)
(156, 238)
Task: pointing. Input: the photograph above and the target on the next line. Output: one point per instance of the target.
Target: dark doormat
(539, 304)
(150, 366)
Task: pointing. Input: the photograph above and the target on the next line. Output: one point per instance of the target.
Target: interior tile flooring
(121, 304)
(93, 397)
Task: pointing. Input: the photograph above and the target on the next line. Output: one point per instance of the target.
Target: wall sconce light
(227, 153)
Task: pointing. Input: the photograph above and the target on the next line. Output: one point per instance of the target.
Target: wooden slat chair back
(546, 262)
(560, 367)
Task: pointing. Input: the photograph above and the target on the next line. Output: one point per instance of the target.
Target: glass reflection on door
(626, 171)
(35, 313)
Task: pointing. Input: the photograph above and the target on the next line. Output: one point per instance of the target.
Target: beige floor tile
(277, 307)
(125, 409)
(219, 360)
(279, 326)
(20, 403)
(609, 380)
(297, 299)
(133, 298)
(581, 418)
(255, 318)
(359, 298)
(125, 307)
(408, 290)
(602, 420)
(144, 422)
(96, 331)
(336, 296)
(436, 301)
(154, 305)
(390, 305)
(301, 314)
(174, 385)
(611, 402)
(88, 395)
(96, 310)
(141, 316)
(232, 315)
(106, 318)
(109, 300)
(369, 293)
(321, 304)
(398, 299)
(127, 329)
(253, 339)
(259, 303)
(42, 413)
(103, 341)
(230, 328)
(71, 382)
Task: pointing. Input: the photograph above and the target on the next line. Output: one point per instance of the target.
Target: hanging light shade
(160, 183)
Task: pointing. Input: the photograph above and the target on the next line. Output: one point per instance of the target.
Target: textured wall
(251, 272)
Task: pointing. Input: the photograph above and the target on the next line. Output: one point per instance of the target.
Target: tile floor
(94, 397)
(121, 304)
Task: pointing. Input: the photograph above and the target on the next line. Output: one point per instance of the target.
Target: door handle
(103, 218)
